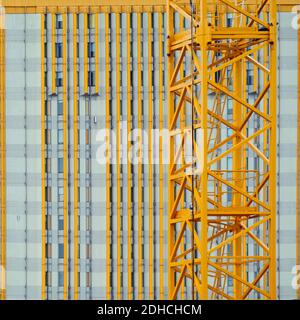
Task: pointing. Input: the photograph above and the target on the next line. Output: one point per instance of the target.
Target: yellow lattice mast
(222, 197)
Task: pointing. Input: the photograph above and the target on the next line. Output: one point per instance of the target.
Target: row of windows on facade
(88, 251)
(60, 136)
(60, 224)
(59, 79)
(59, 21)
(60, 194)
(59, 50)
(60, 279)
(60, 107)
(60, 165)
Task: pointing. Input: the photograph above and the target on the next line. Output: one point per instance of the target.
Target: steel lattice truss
(222, 207)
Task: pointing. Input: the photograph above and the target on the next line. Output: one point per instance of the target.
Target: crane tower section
(222, 171)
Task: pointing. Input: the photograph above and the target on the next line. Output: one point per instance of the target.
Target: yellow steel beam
(43, 156)
(161, 167)
(116, 6)
(140, 174)
(96, 53)
(75, 135)
(150, 156)
(118, 154)
(203, 180)
(94, 3)
(237, 165)
(108, 170)
(85, 53)
(182, 125)
(129, 166)
(53, 42)
(203, 40)
(65, 158)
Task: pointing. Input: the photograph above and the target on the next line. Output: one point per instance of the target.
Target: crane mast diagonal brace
(222, 172)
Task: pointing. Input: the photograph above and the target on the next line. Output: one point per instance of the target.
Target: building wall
(287, 146)
(23, 156)
(23, 121)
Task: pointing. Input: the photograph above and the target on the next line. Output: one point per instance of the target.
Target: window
(45, 49)
(46, 79)
(88, 279)
(60, 223)
(87, 108)
(60, 279)
(59, 79)
(48, 165)
(78, 50)
(60, 110)
(59, 21)
(229, 22)
(88, 251)
(77, 21)
(87, 136)
(91, 49)
(48, 194)
(91, 21)
(88, 165)
(48, 278)
(58, 50)
(88, 223)
(250, 78)
(48, 222)
(60, 136)
(47, 108)
(91, 78)
(88, 194)
(47, 136)
(60, 165)
(60, 194)
(78, 78)
(60, 251)
(45, 21)
(78, 108)
(48, 250)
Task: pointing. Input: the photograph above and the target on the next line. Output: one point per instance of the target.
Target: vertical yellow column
(161, 167)
(129, 169)
(150, 156)
(75, 135)
(237, 160)
(53, 42)
(140, 213)
(118, 153)
(3, 161)
(108, 203)
(265, 146)
(96, 53)
(43, 156)
(85, 52)
(204, 177)
(65, 133)
(182, 126)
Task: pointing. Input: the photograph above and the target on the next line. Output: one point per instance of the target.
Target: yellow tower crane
(228, 212)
